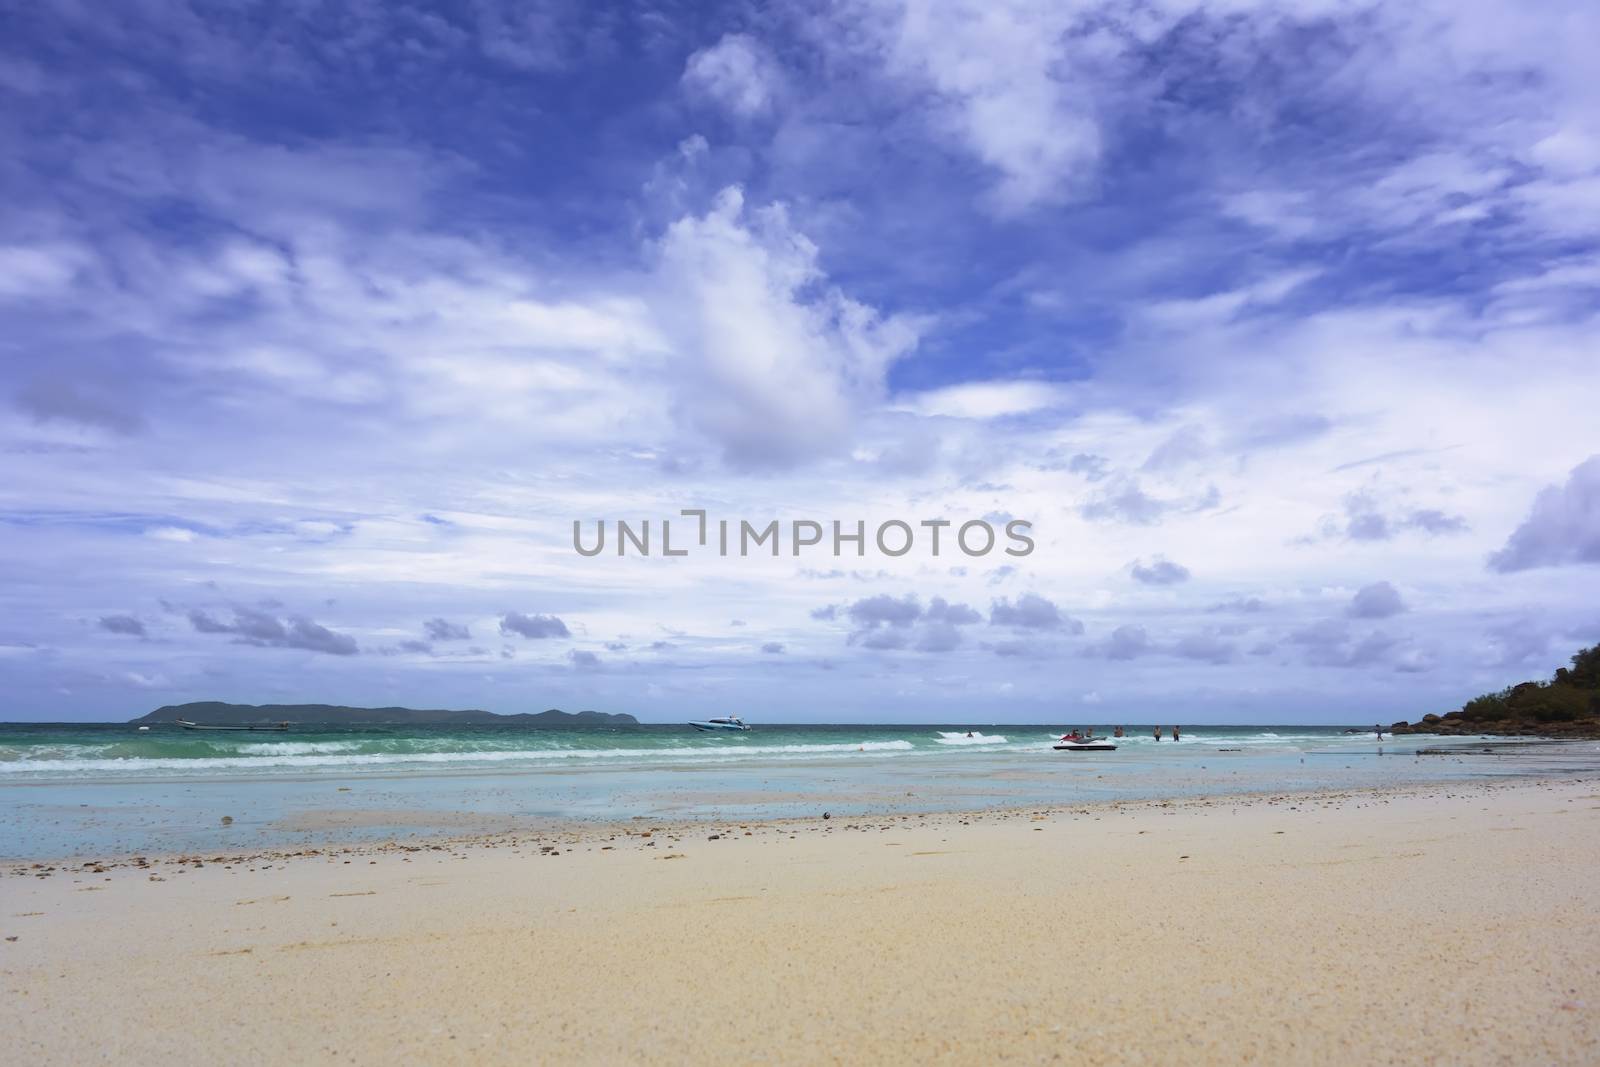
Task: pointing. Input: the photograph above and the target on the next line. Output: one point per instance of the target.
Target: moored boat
(187, 725)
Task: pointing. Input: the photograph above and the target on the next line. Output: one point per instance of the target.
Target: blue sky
(324, 322)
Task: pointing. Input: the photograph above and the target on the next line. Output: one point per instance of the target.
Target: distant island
(1568, 706)
(216, 713)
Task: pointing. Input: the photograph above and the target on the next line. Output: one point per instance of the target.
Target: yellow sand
(1450, 925)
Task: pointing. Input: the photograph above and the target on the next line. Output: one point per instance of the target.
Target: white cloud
(773, 363)
(170, 533)
(1562, 528)
(34, 270)
(984, 400)
(1571, 151)
(1010, 86)
(737, 72)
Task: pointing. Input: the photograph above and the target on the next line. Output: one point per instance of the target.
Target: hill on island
(1568, 705)
(216, 713)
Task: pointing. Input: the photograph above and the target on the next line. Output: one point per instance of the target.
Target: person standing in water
(1158, 733)
(1174, 733)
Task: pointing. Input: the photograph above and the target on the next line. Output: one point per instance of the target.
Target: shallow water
(79, 790)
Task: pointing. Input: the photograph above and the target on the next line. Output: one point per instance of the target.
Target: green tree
(1491, 707)
(1585, 672)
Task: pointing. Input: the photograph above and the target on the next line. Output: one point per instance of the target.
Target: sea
(101, 790)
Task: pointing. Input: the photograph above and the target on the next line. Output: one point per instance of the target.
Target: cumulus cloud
(1366, 519)
(1132, 641)
(954, 614)
(884, 622)
(774, 363)
(253, 627)
(773, 648)
(584, 660)
(122, 624)
(445, 630)
(1032, 612)
(885, 610)
(1125, 642)
(1434, 521)
(303, 633)
(1380, 600)
(1159, 571)
(737, 72)
(880, 640)
(537, 627)
(1563, 527)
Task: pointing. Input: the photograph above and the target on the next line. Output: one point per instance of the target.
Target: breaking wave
(957, 737)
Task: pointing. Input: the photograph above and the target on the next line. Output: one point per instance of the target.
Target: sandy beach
(1450, 924)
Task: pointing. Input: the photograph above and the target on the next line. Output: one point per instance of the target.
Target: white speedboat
(727, 722)
(1069, 743)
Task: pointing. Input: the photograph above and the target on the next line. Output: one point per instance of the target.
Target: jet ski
(1075, 742)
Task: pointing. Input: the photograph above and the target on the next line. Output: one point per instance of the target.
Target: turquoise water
(76, 790)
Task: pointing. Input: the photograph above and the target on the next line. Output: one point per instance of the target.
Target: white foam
(297, 748)
(310, 761)
(974, 738)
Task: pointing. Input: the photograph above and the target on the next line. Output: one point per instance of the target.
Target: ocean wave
(287, 758)
(1203, 737)
(973, 738)
(300, 748)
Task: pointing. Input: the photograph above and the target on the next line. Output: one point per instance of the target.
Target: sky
(321, 325)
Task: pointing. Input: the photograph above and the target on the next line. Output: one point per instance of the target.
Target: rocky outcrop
(1567, 706)
(1455, 724)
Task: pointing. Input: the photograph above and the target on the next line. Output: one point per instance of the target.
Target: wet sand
(1448, 924)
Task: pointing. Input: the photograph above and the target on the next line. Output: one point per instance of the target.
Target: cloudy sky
(324, 322)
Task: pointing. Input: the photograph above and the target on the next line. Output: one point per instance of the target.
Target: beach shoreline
(1450, 923)
(94, 794)
(498, 832)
